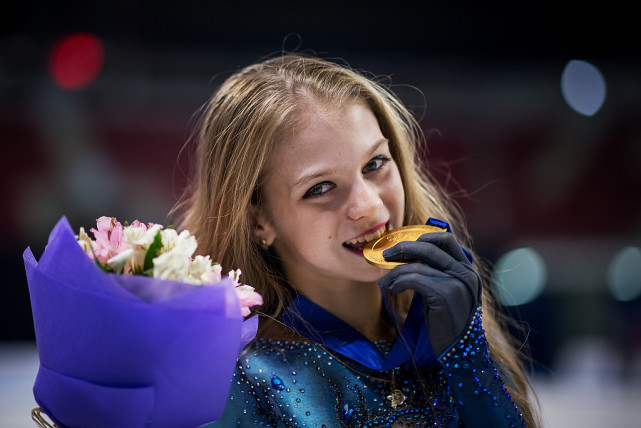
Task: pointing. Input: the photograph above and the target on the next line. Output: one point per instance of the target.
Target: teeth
(367, 237)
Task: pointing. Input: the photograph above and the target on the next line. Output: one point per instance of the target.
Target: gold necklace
(396, 396)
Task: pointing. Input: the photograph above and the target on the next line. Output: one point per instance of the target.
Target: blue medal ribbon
(315, 323)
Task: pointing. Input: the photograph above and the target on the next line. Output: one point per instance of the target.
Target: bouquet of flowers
(132, 329)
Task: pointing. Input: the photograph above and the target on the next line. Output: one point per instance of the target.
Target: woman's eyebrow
(310, 177)
(324, 172)
(377, 145)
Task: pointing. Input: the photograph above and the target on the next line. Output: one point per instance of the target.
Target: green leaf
(105, 267)
(152, 252)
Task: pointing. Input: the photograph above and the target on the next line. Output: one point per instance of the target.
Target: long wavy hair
(238, 129)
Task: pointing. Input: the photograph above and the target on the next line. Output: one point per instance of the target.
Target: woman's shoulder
(275, 347)
(275, 352)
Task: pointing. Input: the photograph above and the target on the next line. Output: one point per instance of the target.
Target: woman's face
(331, 185)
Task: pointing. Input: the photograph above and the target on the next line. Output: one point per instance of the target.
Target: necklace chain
(396, 396)
(357, 371)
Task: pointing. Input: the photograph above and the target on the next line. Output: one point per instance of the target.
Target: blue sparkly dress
(337, 378)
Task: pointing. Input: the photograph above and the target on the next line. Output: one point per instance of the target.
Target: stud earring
(263, 245)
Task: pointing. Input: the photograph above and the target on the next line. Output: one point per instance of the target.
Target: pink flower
(109, 240)
(247, 297)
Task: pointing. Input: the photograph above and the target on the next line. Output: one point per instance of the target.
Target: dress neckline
(311, 321)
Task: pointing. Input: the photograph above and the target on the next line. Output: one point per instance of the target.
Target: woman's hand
(444, 277)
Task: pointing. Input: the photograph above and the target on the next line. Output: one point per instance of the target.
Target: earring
(263, 245)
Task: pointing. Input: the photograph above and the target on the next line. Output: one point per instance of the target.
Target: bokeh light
(624, 274)
(519, 276)
(583, 87)
(76, 60)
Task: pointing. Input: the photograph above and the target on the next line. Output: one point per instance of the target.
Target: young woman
(299, 163)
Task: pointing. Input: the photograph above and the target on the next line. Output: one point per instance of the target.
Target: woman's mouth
(357, 244)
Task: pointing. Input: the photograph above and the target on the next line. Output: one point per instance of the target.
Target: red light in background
(76, 60)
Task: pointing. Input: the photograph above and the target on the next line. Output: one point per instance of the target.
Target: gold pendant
(396, 398)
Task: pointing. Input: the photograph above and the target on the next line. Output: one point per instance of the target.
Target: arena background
(537, 179)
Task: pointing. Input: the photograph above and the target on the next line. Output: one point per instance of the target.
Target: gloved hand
(444, 277)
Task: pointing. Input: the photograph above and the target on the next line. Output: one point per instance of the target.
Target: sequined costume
(296, 384)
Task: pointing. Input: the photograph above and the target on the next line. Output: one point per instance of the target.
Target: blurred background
(533, 121)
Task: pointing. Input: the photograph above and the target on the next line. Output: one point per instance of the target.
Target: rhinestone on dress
(277, 383)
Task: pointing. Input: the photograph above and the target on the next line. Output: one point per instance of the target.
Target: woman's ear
(264, 232)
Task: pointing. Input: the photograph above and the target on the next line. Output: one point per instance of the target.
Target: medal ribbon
(315, 323)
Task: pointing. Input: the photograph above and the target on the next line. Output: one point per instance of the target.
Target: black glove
(444, 277)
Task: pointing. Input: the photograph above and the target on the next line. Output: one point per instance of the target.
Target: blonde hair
(240, 125)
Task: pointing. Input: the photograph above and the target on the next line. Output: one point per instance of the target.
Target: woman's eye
(376, 163)
(318, 189)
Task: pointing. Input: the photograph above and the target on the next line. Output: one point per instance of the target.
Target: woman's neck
(359, 305)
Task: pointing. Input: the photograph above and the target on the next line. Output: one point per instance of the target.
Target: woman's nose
(364, 201)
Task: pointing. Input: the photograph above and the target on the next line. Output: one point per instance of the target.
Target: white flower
(216, 272)
(186, 243)
(147, 238)
(86, 243)
(138, 237)
(234, 275)
(120, 260)
(174, 263)
(169, 239)
(202, 270)
(134, 233)
(171, 265)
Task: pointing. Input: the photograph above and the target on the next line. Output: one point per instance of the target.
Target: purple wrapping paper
(129, 351)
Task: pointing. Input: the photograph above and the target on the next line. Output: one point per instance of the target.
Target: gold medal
(373, 250)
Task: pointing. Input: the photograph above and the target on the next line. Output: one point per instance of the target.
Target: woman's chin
(371, 273)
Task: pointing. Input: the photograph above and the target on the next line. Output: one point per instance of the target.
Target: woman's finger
(421, 251)
(424, 270)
